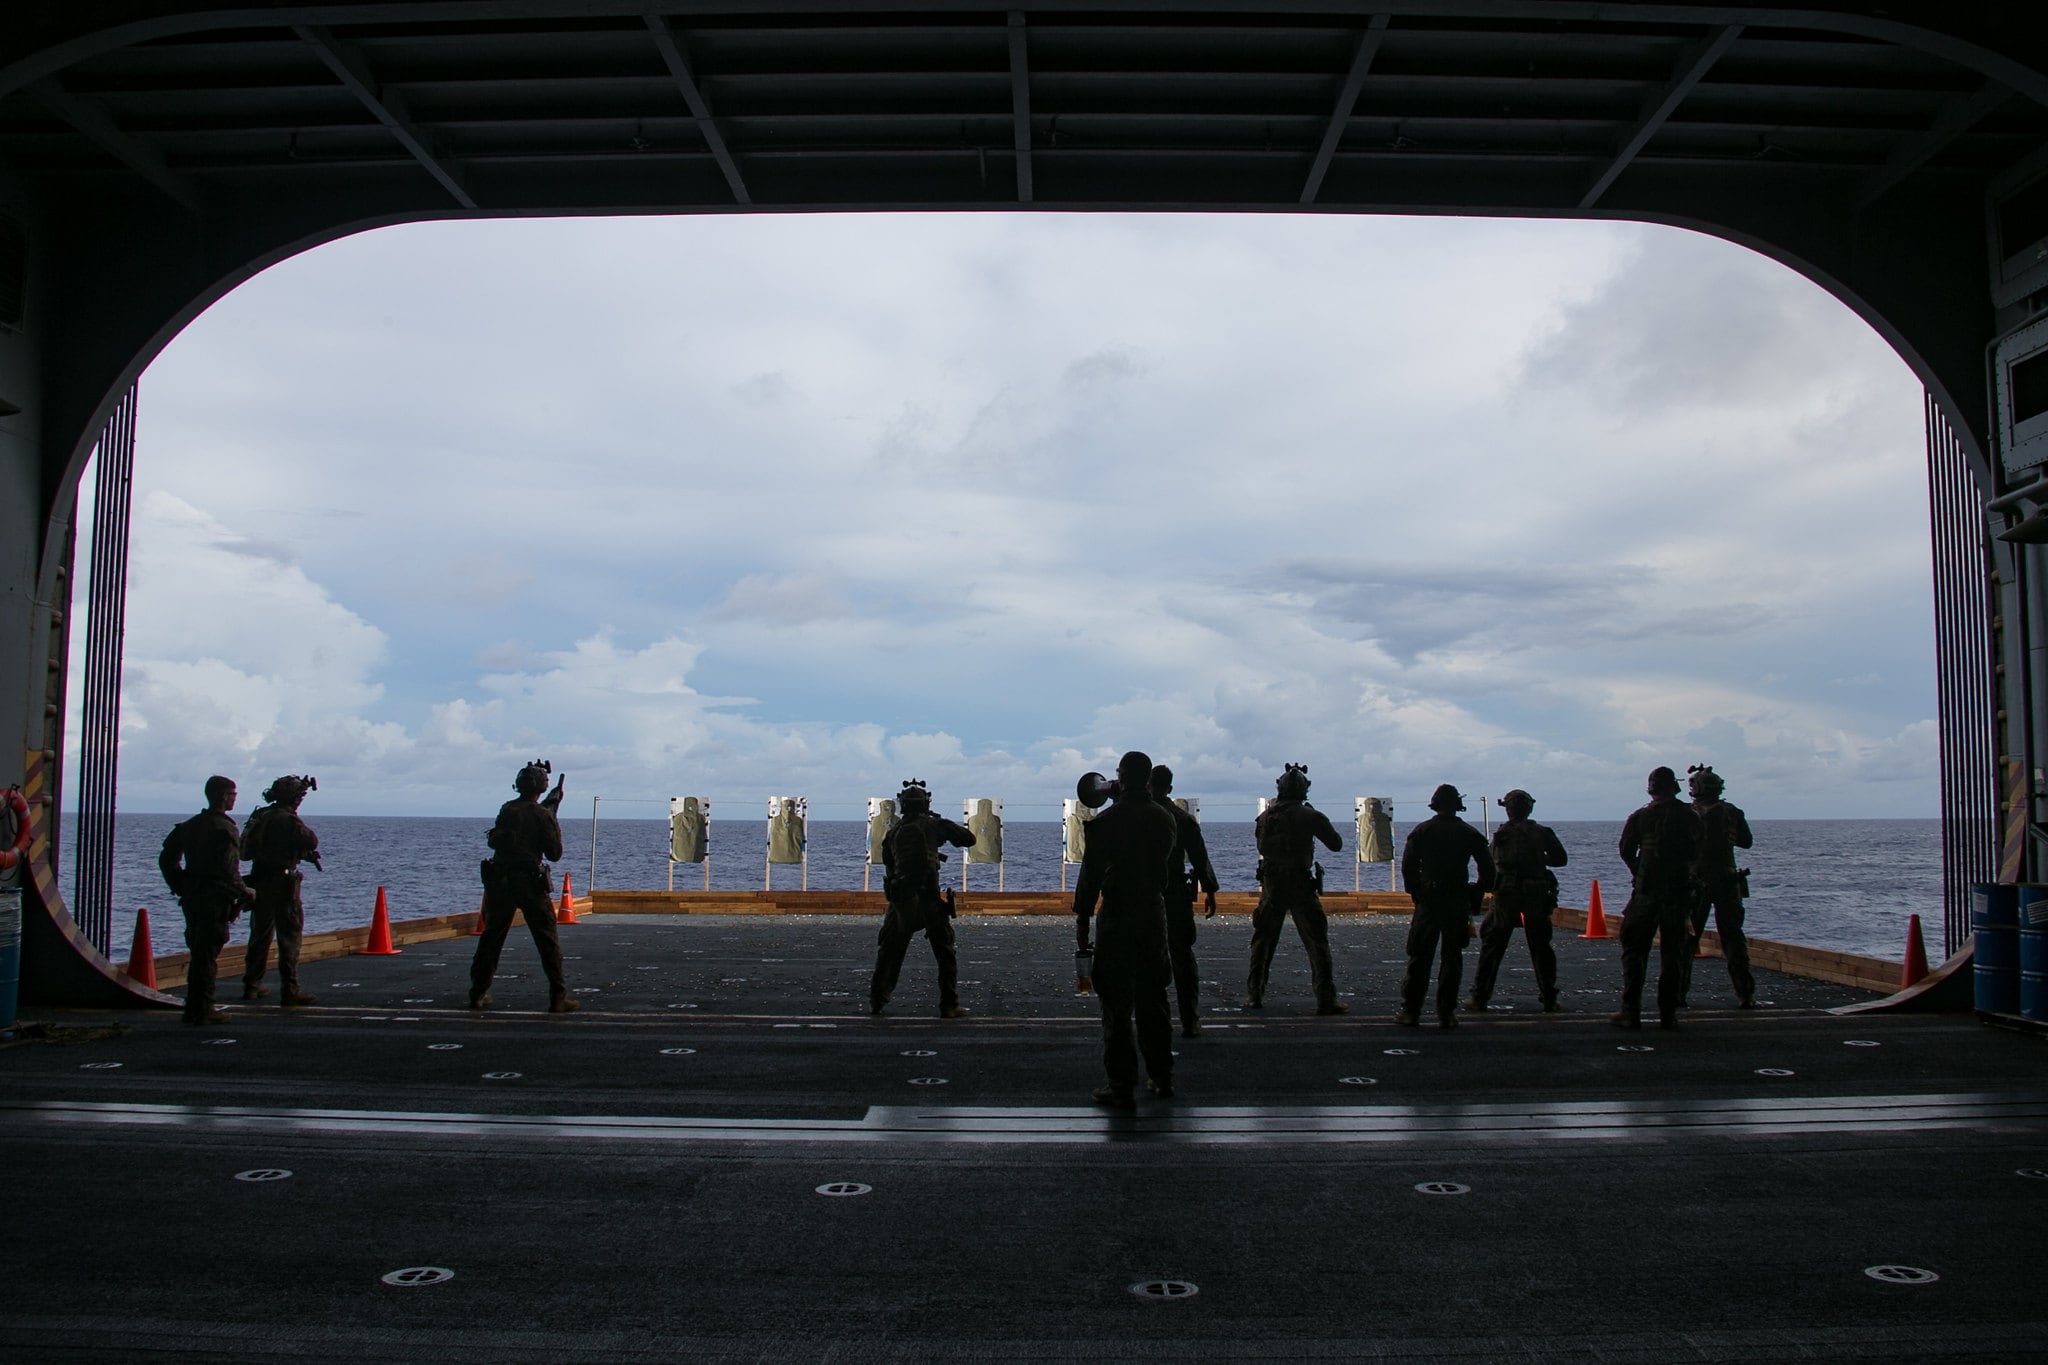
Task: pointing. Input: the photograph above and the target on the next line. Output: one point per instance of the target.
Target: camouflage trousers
(1662, 918)
(1283, 898)
(901, 923)
(1438, 929)
(208, 913)
(1531, 914)
(1723, 905)
(279, 914)
(1180, 948)
(1132, 973)
(525, 893)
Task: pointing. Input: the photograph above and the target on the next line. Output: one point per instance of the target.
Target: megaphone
(1094, 789)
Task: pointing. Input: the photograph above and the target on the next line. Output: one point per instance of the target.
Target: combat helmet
(290, 790)
(1292, 785)
(1702, 783)
(533, 778)
(915, 798)
(1518, 802)
(1446, 799)
(1663, 782)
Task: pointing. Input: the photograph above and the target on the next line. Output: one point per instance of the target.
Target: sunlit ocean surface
(1842, 884)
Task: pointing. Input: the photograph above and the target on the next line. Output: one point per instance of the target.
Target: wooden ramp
(969, 902)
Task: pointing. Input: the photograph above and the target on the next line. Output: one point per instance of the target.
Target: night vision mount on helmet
(915, 798)
(1292, 785)
(291, 789)
(1703, 783)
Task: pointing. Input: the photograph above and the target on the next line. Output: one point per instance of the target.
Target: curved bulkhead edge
(59, 964)
(1948, 989)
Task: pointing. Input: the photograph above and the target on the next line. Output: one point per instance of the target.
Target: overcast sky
(813, 504)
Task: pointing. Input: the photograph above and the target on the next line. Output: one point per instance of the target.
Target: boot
(254, 991)
(478, 999)
(1623, 1019)
(293, 997)
(212, 1016)
(952, 1011)
(1114, 1097)
(564, 1004)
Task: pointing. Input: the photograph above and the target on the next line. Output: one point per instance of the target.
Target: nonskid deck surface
(1173, 1123)
(770, 1172)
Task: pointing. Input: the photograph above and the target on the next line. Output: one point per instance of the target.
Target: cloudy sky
(812, 504)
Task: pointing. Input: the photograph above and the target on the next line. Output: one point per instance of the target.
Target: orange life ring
(17, 806)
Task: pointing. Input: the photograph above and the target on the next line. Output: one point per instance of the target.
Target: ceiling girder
(1347, 100)
(1020, 104)
(1957, 117)
(1692, 65)
(93, 121)
(388, 106)
(700, 108)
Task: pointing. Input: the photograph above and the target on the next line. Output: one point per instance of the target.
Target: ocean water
(1843, 884)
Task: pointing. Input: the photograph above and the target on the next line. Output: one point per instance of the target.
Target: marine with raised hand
(1718, 884)
(1192, 870)
(274, 842)
(1290, 886)
(911, 854)
(1130, 856)
(1434, 865)
(525, 839)
(1658, 844)
(1524, 895)
(201, 863)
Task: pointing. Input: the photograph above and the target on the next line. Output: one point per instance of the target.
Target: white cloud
(825, 503)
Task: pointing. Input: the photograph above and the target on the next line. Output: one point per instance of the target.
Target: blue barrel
(1995, 924)
(2033, 952)
(10, 955)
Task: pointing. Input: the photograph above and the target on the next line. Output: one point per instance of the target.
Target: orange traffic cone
(566, 914)
(1916, 955)
(141, 967)
(380, 932)
(1596, 919)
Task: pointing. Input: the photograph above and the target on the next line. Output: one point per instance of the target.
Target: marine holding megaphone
(1132, 850)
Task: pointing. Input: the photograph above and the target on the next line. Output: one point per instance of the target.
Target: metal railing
(1965, 646)
(91, 892)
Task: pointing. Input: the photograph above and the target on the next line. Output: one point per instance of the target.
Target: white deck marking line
(1181, 1123)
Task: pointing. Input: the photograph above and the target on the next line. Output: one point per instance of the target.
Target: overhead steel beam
(98, 126)
(388, 106)
(1957, 117)
(700, 108)
(1020, 104)
(1347, 100)
(1692, 65)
